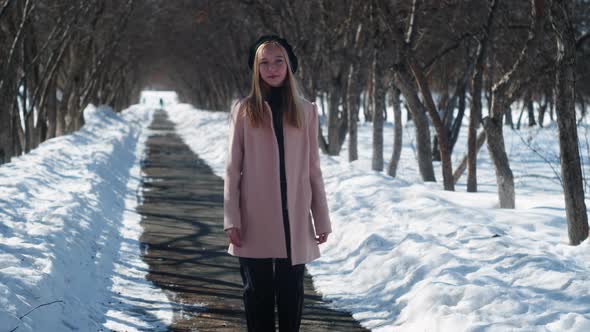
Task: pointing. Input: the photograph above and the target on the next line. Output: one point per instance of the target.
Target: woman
(275, 209)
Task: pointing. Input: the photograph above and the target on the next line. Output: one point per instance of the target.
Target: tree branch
(35, 308)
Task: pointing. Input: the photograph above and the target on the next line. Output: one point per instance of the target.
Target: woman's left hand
(322, 238)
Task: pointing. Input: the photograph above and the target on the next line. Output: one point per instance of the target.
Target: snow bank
(69, 254)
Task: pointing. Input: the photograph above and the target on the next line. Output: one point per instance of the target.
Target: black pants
(267, 280)
(270, 280)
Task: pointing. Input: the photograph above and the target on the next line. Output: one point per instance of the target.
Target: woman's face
(273, 65)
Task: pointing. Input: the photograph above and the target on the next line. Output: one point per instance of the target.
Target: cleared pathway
(185, 247)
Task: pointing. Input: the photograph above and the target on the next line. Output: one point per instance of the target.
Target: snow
(69, 252)
(408, 256)
(404, 255)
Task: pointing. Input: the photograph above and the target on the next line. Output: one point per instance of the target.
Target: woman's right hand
(233, 235)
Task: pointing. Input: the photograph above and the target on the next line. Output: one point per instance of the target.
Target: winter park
(313, 165)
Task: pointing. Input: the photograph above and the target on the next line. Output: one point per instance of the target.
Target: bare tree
(503, 94)
(52, 54)
(57, 56)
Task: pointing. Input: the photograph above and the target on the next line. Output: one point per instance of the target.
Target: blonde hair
(253, 106)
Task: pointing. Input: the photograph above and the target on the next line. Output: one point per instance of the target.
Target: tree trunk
(571, 173)
(333, 132)
(51, 111)
(79, 118)
(503, 94)
(71, 112)
(443, 135)
(60, 119)
(481, 138)
(41, 131)
(508, 118)
(352, 100)
(6, 129)
(520, 118)
(542, 109)
(18, 134)
(496, 147)
(397, 132)
(531, 112)
(378, 110)
(446, 105)
(551, 108)
(5, 135)
(456, 126)
(369, 103)
(404, 83)
(29, 132)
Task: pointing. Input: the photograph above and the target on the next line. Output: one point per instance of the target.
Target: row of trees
(56, 57)
(441, 58)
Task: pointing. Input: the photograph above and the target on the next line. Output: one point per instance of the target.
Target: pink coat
(252, 194)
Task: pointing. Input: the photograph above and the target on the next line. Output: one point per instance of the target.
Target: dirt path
(185, 248)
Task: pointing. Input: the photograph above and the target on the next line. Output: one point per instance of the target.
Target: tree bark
(542, 109)
(531, 112)
(352, 100)
(378, 111)
(369, 103)
(403, 82)
(571, 173)
(333, 128)
(504, 176)
(397, 132)
(5, 131)
(443, 136)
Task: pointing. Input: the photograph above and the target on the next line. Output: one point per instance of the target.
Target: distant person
(161, 103)
(273, 181)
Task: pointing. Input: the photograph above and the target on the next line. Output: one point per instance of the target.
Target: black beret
(280, 41)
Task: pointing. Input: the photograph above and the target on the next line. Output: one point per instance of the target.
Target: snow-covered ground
(70, 257)
(408, 256)
(404, 256)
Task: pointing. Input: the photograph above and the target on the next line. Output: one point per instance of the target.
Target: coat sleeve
(319, 203)
(233, 170)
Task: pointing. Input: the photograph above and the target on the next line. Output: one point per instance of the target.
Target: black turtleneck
(275, 100)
